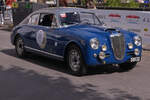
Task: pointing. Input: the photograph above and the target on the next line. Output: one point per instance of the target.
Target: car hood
(91, 31)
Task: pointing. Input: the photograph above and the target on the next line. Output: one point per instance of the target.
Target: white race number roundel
(41, 39)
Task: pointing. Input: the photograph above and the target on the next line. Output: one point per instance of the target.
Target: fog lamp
(136, 52)
(102, 55)
(130, 45)
(104, 48)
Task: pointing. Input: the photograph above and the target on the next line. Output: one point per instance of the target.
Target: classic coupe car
(78, 37)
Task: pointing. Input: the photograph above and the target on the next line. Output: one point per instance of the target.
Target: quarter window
(34, 19)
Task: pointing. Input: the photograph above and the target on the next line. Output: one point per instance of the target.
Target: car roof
(58, 10)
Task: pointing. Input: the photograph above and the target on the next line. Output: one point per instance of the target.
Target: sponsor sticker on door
(41, 39)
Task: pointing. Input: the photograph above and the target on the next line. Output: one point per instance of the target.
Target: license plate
(135, 59)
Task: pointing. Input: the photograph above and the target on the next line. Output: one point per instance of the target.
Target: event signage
(135, 21)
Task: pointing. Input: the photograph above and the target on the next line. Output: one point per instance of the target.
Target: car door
(48, 37)
(30, 29)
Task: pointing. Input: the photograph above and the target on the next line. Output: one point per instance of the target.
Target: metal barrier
(23, 9)
(134, 21)
(2, 11)
(5, 15)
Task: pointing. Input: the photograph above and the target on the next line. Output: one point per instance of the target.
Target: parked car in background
(77, 36)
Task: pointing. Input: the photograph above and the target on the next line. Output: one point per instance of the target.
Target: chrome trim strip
(44, 52)
(118, 45)
(113, 35)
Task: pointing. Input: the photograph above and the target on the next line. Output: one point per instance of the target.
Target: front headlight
(137, 41)
(94, 43)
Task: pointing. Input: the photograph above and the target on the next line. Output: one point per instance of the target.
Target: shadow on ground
(61, 66)
(6, 28)
(17, 83)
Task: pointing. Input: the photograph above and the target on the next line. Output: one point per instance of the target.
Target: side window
(96, 21)
(86, 17)
(34, 19)
(48, 20)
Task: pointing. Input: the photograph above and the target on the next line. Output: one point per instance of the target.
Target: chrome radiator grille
(118, 45)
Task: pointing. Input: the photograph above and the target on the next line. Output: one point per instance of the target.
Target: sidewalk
(6, 27)
(146, 47)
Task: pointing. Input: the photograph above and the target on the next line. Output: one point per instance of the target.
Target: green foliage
(113, 3)
(83, 2)
(117, 3)
(133, 4)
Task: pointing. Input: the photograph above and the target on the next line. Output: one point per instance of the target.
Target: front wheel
(127, 66)
(19, 46)
(75, 61)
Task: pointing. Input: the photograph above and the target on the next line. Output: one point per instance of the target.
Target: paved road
(40, 78)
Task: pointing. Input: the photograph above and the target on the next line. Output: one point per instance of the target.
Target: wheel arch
(73, 43)
(15, 38)
(15, 34)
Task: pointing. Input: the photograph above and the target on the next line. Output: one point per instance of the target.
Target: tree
(118, 3)
(114, 3)
(133, 4)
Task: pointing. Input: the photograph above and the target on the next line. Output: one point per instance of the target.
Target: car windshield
(72, 18)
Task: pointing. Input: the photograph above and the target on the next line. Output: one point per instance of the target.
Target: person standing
(9, 8)
(147, 1)
(90, 4)
(63, 3)
(2, 9)
(9, 3)
(141, 1)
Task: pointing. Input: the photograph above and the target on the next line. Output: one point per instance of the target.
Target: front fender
(16, 32)
(81, 44)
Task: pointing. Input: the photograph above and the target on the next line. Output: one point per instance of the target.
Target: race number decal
(41, 39)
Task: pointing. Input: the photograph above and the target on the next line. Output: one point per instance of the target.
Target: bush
(113, 3)
(133, 4)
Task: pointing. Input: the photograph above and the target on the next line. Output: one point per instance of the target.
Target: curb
(146, 47)
(6, 27)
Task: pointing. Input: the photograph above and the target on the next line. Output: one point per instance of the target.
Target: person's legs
(2, 15)
(9, 13)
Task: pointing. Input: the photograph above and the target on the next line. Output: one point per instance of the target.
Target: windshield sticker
(63, 15)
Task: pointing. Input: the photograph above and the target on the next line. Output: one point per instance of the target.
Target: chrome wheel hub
(20, 47)
(74, 60)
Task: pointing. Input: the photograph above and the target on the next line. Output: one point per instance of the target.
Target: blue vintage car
(77, 36)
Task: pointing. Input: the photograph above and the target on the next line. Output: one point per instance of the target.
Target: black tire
(127, 66)
(77, 59)
(19, 47)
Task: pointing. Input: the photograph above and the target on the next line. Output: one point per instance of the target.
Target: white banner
(135, 21)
